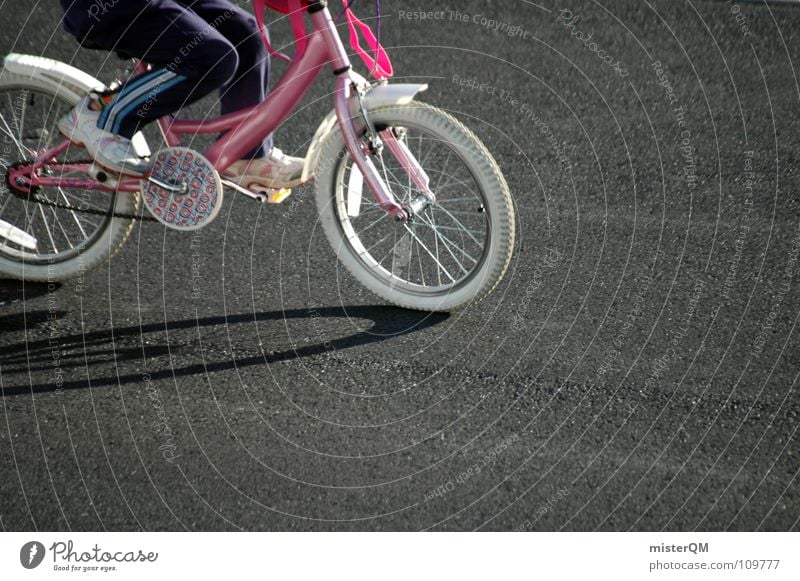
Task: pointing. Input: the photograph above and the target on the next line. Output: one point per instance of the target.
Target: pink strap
(379, 65)
(296, 12)
(298, 27)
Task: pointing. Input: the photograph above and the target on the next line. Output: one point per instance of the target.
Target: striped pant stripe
(129, 87)
(142, 99)
(115, 116)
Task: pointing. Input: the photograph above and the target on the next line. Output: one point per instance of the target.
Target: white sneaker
(108, 149)
(275, 171)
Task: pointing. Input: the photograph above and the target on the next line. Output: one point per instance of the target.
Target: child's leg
(191, 58)
(249, 85)
(264, 166)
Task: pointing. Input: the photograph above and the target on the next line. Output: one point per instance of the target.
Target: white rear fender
(379, 96)
(52, 74)
(55, 76)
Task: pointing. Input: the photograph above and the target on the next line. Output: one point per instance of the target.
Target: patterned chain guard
(191, 210)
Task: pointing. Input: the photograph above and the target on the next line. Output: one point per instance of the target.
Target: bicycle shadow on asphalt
(115, 346)
(15, 291)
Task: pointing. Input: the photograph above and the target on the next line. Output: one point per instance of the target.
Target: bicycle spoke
(8, 199)
(461, 212)
(22, 117)
(440, 227)
(441, 201)
(7, 131)
(61, 227)
(448, 244)
(379, 241)
(401, 255)
(424, 161)
(435, 241)
(444, 169)
(435, 259)
(377, 221)
(371, 210)
(422, 270)
(457, 221)
(47, 228)
(10, 132)
(30, 215)
(72, 213)
(84, 205)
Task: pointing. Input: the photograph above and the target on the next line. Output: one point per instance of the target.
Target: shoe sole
(255, 185)
(69, 135)
(119, 171)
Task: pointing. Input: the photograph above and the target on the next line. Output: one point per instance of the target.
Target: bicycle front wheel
(455, 251)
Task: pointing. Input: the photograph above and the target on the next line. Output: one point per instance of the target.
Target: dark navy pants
(195, 46)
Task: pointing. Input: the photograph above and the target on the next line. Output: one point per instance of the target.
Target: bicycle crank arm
(172, 188)
(270, 196)
(17, 236)
(257, 196)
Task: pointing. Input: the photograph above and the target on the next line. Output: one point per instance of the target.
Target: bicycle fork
(349, 88)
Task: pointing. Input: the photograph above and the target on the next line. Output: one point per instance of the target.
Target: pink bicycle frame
(245, 129)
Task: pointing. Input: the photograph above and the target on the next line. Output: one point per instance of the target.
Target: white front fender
(379, 96)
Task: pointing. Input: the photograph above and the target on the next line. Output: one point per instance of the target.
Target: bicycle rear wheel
(451, 254)
(74, 228)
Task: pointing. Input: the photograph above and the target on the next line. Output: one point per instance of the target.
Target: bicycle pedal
(276, 196)
(102, 175)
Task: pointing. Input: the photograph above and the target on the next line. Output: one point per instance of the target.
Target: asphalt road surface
(636, 369)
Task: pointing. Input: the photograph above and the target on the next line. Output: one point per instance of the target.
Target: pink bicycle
(432, 230)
